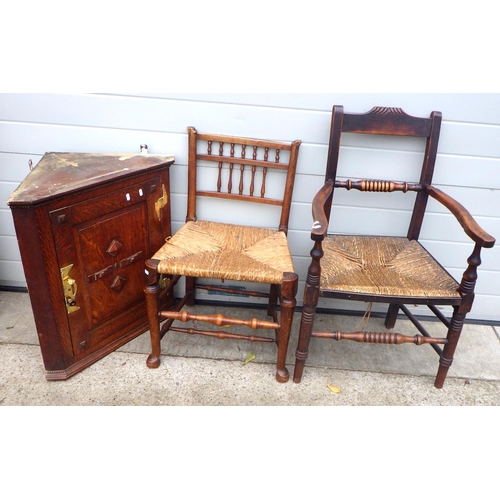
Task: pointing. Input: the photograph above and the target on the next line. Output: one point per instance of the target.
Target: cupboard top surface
(58, 174)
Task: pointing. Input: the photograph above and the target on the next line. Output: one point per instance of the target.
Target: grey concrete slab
(198, 370)
(16, 319)
(122, 379)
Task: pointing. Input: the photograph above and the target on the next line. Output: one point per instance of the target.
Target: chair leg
(306, 325)
(392, 315)
(466, 290)
(446, 359)
(273, 301)
(152, 293)
(311, 295)
(288, 293)
(190, 287)
(272, 308)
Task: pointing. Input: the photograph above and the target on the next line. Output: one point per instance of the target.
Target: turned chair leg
(466, 290)
(288, 301)
(152, 295)
(311, 296)
(306, 326)
(446, 359)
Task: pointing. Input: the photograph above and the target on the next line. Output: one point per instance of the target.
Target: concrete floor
(202, 371)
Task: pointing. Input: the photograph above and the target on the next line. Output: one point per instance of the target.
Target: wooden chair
(241, 169)
(391, 270)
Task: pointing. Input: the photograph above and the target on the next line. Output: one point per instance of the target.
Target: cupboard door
(102, 244)
(112, 251)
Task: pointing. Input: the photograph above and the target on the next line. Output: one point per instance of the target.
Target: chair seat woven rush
(226, 251)
(385, 266)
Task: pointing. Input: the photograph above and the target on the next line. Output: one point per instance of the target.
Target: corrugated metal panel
(468, 166)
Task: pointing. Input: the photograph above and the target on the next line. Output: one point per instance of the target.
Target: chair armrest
(320, 224)
(470, 226)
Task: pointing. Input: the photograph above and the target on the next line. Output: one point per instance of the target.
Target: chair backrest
(386, 121)
(241, 167)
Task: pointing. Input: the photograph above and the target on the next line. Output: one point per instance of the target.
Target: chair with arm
(243, 170)
(398, 271)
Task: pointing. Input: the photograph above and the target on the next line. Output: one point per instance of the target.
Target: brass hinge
(69, 289)
(164, 281)
(161, 202)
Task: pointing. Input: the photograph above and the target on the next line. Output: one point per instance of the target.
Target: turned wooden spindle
(218, 319)
(221, 335)
(231, 166)
(254, 169)
(219, 166)
(377, 186)
(380, 337)
(264, 173)
(242, 169)
(469, 278)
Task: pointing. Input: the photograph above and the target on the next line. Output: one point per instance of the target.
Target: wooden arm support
(470, 226)
(320, 224)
